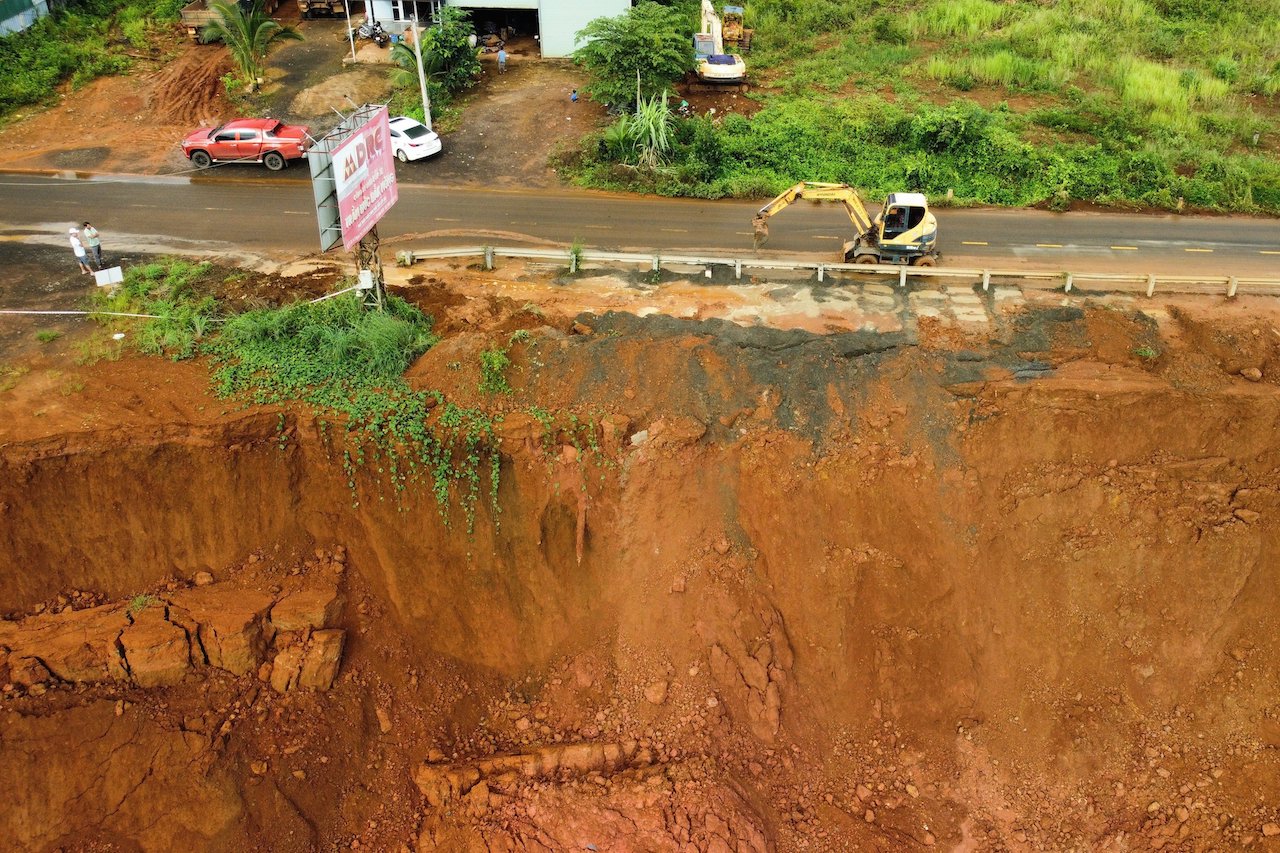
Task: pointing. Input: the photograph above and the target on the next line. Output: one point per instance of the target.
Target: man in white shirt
(78, 247)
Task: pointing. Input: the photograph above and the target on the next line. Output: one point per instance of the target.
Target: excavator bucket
(759, 231)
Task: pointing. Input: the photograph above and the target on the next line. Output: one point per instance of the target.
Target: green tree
(650, 38)
(248, 35)
(447, 55)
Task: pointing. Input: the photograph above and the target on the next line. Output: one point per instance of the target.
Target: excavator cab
(905, 231)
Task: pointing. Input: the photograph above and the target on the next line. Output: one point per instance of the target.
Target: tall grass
(957, 18)
(1002, 68)
(164, 289)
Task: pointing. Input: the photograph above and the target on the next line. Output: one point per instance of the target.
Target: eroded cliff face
(841, 592)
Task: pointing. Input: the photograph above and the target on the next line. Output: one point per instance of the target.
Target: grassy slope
(82, 40)
(1152, 102)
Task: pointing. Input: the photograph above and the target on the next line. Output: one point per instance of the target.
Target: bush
(326, 348)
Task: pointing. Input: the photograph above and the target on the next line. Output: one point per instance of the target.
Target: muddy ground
(878, 572)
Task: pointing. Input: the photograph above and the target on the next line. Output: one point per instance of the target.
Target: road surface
(274, 216)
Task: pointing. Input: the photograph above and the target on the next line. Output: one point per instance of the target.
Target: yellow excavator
(904, 232)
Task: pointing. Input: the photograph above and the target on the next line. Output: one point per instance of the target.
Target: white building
(555, 22)
(16, 15)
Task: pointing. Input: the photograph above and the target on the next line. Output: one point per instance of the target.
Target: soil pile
(793, 591)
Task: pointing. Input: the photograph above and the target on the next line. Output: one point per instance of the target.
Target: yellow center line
(676, 230)
(1198, 250)
(444, 219)
(1048, 245)
(1268, 252)
(1125, 248)
(974, 243)
(824, 237)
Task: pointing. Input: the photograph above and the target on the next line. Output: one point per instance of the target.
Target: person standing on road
(93, 243)
(78, 248)
(573, 96)
(502, 60)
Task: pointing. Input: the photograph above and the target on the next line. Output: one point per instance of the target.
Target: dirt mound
(776, 591)
(363, 86)
(189, 90)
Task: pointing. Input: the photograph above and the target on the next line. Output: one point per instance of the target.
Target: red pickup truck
(247, 140)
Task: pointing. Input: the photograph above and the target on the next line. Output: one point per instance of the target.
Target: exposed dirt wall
(858, 597)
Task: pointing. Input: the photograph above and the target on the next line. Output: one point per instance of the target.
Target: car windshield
(415, 131)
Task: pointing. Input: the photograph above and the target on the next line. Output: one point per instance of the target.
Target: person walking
(93, 243)
(502, 60)
(78, 248)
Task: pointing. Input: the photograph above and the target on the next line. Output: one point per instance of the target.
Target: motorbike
(373, 31)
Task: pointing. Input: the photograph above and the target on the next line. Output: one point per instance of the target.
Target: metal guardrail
(1227, 285)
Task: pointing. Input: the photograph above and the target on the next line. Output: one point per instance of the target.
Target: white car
(410, 139)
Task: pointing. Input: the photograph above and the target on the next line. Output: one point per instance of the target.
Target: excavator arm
(843, 193)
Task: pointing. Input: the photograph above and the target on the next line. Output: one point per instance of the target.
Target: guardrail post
(573, 262)
(986, 280)
(488, 257)
(1232, 283)
(1070, 281)
(737, 269)
(1151, 284)
(822, 271)
(902, 277)
(657, 263)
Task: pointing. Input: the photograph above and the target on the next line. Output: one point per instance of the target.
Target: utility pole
(351, 33)
(422, 76)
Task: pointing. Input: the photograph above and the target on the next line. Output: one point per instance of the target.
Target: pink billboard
(365, 173)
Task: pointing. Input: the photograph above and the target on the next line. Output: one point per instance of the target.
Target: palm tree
(247, 35)
(406, 75)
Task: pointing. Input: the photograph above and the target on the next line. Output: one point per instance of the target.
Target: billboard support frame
(369, 258)
(326, 191)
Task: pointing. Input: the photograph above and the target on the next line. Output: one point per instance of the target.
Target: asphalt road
(273, 215)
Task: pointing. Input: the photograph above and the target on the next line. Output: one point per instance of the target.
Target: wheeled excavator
(717, 66)
(904, 232)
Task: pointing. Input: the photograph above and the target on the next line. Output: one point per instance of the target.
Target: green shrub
(493, 371)
(319, 351)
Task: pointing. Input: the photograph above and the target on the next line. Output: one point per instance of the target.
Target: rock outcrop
(157, 640)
